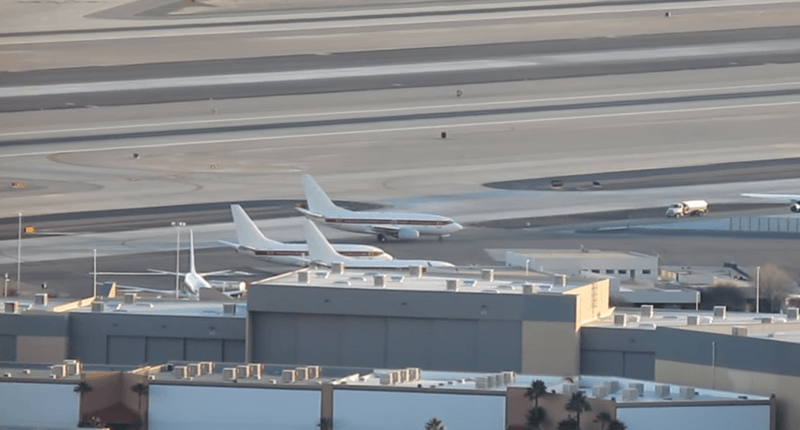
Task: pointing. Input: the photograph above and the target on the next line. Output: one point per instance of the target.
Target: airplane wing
(792, 198)
(127, 273)
(309, 214)
(132, 289)
(383, 228)
(204, 274)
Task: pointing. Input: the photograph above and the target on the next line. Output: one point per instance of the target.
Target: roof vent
(380, 280)
(302, 277)
(397, 278)
(415, 271)
(527, 288)
(229, 308)
(765, 320)
(322, 274)
(647, 311)
(470, 282)
(720, 311)
(452, 285)
(12, 307)
(345, 283)
(663, 391)
(130, 298)
(687, 392)
(487, 275)
(739, 331)
(693, 320)
(40, 299)
(337, 268)
(620, 320)
(792, 314)
(98, 306)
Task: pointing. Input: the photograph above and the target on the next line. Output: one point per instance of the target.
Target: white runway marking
(401, 129)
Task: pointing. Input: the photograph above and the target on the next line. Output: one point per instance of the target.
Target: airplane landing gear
(382, 238)
(441, 238)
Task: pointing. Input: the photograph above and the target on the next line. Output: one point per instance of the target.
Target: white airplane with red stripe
(400, 225)
(252, 241)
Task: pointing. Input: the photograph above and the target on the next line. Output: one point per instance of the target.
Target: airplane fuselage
(372, 222)
(297, 254)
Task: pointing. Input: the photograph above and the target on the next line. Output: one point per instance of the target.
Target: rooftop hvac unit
(379, 280)
(739, 331)
(720, 312)
(73, 368)
(613, 386)
(242, 371)
(397, 278)
(497, 380)
(314, 372)
(229, 308)
(600, 391)
(386, 379)
(255, 370)
(638, 386)
(12, 307)
(647, 311)
(569, 389)
(40, 299)
(180, 372)
(663, 391)
(6, 375)
(59, 370)
(633, 318)
(337, 268)
(193, 369)
(560, 281)
(301, 373)
(229, 373)
(481, 383)
(687, 392)
(130, 298)
(766, 320)
(620, 320)
(98, 306)
(288, 376)
(206, 367)
(452, 285)
(487, 275)
(322, 274)
(403, 374)
(527, 288)
(792, 314)
(151, 377)
(509, 377)
(693, 320)
(415, 271)
(413, 374)
(629, 394)
(302, 277)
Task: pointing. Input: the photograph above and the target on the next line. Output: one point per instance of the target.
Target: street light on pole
(5, 285)
(178, 225)
(94, 276)
(758, 289)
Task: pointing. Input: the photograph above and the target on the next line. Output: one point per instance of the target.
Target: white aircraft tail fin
(317, 200)
(247, 232)
(319, 249)
(191, 252)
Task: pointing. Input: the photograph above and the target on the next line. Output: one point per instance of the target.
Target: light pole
(178, 225)
(5, 285)
(94, 276)
(19, 249)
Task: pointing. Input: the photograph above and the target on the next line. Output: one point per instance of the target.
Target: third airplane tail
(247, 233)
(318, 201)
(319, 249)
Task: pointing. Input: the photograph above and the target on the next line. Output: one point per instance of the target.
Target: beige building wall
(105, 392)
(550, 348)
(517, 407)
(41, 349)
(591, 301)
(785, 388)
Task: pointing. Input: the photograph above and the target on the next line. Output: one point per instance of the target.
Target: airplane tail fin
(247, 233)
(191, 252)
(317, 200)
(319, 249)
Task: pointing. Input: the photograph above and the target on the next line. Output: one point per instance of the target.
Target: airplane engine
(407, 233)
(795, 208)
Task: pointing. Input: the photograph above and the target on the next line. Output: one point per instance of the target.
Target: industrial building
(207, 395)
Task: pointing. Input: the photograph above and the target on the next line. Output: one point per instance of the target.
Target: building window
(595, 271)
(609, 271)
(622, 271)
(645, 271)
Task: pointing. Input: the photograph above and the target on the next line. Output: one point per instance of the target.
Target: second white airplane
(401, 225)
(794, 199)
(320, 251)
(252, 241)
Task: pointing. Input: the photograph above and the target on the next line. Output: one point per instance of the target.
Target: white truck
(688, 208)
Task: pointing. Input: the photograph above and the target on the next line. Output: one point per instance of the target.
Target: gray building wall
(141, 338)
(436, 330)
(611, 351)
(16, 329)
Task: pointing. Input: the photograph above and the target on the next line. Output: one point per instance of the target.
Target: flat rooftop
(468, 281)
(580, 253)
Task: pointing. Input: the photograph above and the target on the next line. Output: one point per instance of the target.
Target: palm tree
(325, 423)
(435, 424)
(141, 390)
(569, 424)
(578, 403)
(535, 418)
(604, 418)
(617, 425)
(536, 390)
(81, 388)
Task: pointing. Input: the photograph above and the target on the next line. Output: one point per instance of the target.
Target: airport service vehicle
(688, 208)
(401, 225)
(252, 241)
(793, 199)
(321, 252)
